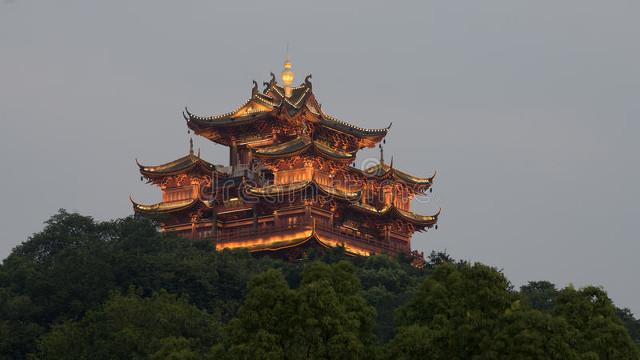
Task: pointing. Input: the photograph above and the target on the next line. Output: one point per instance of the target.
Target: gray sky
(529, 111)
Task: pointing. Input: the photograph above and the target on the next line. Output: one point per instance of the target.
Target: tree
(599, 331)
(530, 334)
(420, 342)
(59, 272)
(438, 258)
(55, 291)
(18, 328)
(459, 305)
(133, 327)
(72, 265)
(337, 323)
(265, 326)
(540, 295)
(387, 285)
(630, 322)
(326, 317)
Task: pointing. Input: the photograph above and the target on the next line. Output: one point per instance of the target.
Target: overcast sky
(529, 110)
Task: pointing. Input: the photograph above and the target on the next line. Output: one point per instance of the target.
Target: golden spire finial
(287, 75)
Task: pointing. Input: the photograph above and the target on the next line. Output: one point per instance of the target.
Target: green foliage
(540, 295)
(630, 323)
(387, 285)
(68, 293)
(530, 334)
(133, 327)
(75, 262)
(325, 318)
(593, 315)
(460, 305)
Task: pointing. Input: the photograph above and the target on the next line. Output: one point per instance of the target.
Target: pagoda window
(323, 178)
(387, 195)
(292, 176)
(401, 199)
(178, 194)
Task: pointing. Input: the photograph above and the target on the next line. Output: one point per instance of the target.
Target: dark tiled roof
(182, 164)
(384, 170)
(300, 144)
(416, 219)
(273, 97)
(167, 207)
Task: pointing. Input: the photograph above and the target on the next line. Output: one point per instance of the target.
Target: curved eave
(182, 165)
(168, 207)
(283, 245)
(339, 125)
(416, 219)
(227, 120)
(288, 148)
(299, 145)
(331, 152)
(371, 209)
(279, 190)
(385, 172)
(413, 180)
(413, 218)
(313, 237)
(274, 190)
(349, 249)
(344, 195)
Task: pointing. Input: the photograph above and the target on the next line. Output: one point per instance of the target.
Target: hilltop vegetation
(83, 289)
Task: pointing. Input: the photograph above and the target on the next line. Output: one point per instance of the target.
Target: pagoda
(291, 184)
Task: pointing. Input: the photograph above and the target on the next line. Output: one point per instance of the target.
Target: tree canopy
(119, 289)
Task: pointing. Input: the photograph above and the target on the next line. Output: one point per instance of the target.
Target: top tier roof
(272, 102)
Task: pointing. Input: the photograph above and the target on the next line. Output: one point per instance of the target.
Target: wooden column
(194, 223)
(214, 227)
(255, 218)
(364, 193)
(233, 155)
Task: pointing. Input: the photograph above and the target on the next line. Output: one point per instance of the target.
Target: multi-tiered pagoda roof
(291, 179)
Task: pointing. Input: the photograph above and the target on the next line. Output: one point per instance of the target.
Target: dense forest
(84, 289)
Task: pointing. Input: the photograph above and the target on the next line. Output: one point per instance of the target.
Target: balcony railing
(341, 235)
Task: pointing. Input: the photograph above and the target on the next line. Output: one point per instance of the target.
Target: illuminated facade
(290, 184)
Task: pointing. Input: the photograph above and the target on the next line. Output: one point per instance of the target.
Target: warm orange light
(264, 241)
(287, 77)
(348, 247)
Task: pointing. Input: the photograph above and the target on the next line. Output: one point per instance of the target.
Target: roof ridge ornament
(254, 90)
(270, 83)
(307, 81)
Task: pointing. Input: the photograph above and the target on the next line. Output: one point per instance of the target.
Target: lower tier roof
(422, 220)
(167, 207)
